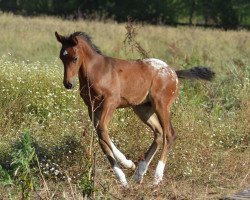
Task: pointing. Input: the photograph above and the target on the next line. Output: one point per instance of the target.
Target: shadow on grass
(67, 156)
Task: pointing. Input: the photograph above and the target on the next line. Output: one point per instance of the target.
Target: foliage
(227, 14)
(22, 159)
(5, 178)
(86, 182)
(20, 175)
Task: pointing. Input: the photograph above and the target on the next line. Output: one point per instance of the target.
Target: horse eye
(74, 60)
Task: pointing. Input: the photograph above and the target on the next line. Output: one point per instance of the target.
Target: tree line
(228, 14)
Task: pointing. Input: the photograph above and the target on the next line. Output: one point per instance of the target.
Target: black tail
(199, 72)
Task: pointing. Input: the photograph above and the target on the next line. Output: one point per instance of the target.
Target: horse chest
(90, 96)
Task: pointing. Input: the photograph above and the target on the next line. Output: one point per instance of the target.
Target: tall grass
(209, 158)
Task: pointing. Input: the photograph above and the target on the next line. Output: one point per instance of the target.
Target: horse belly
(137, 95)
(135, 81)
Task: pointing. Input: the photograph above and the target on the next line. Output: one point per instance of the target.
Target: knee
(173, 134)
(171, 138)
(174, 137)
(101, 129)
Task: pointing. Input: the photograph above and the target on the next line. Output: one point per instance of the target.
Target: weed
(22, 159)
(5, 178)
(86, 183)
(21, 173)
(131, 41)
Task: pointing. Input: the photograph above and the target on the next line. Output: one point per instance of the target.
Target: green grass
(210, 157)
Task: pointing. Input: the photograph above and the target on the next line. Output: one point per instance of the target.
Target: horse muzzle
(68, 85)
(70, 82)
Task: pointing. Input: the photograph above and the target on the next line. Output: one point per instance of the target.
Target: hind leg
(164, 90)
(168, 137)
(146, 113)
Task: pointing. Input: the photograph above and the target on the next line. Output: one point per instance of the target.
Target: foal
(149, 86)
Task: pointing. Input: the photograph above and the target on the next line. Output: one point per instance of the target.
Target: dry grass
(211, 156)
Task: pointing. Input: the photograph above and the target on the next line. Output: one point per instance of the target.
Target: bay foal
(149, 86)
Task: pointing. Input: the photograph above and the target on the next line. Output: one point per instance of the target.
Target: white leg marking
(154, 121)
(159, 172)
(121, 158)
(141, 170)
(121, 176)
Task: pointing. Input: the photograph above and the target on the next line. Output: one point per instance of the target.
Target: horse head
(70, 55)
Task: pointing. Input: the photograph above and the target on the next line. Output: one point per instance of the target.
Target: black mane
(87, 38)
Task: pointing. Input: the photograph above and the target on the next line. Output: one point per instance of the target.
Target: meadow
(211, 156)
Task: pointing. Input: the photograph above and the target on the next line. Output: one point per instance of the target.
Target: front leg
(101, 120)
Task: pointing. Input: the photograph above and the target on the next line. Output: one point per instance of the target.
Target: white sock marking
(159, 172)
(121, 158)
(141, 170)
(121, 176)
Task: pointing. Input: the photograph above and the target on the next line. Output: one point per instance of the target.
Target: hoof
(133, 166)
(138, 178)
(141, 171)
(157, 181)
(124, 184)
(139, 181)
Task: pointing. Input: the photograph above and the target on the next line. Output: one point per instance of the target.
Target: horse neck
(90, 58)
(88, 54)
(86, 81)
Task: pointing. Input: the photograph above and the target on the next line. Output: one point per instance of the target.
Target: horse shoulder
(104, 77)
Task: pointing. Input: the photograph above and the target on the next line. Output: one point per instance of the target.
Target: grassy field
(211, 156)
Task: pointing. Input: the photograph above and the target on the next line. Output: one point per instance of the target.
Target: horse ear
(74, 40)
(59, 37)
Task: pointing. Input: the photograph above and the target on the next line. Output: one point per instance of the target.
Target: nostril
(68, 85)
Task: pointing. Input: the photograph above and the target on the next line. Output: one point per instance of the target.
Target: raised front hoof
(129, 165)
(124, 185)
(133, 166)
